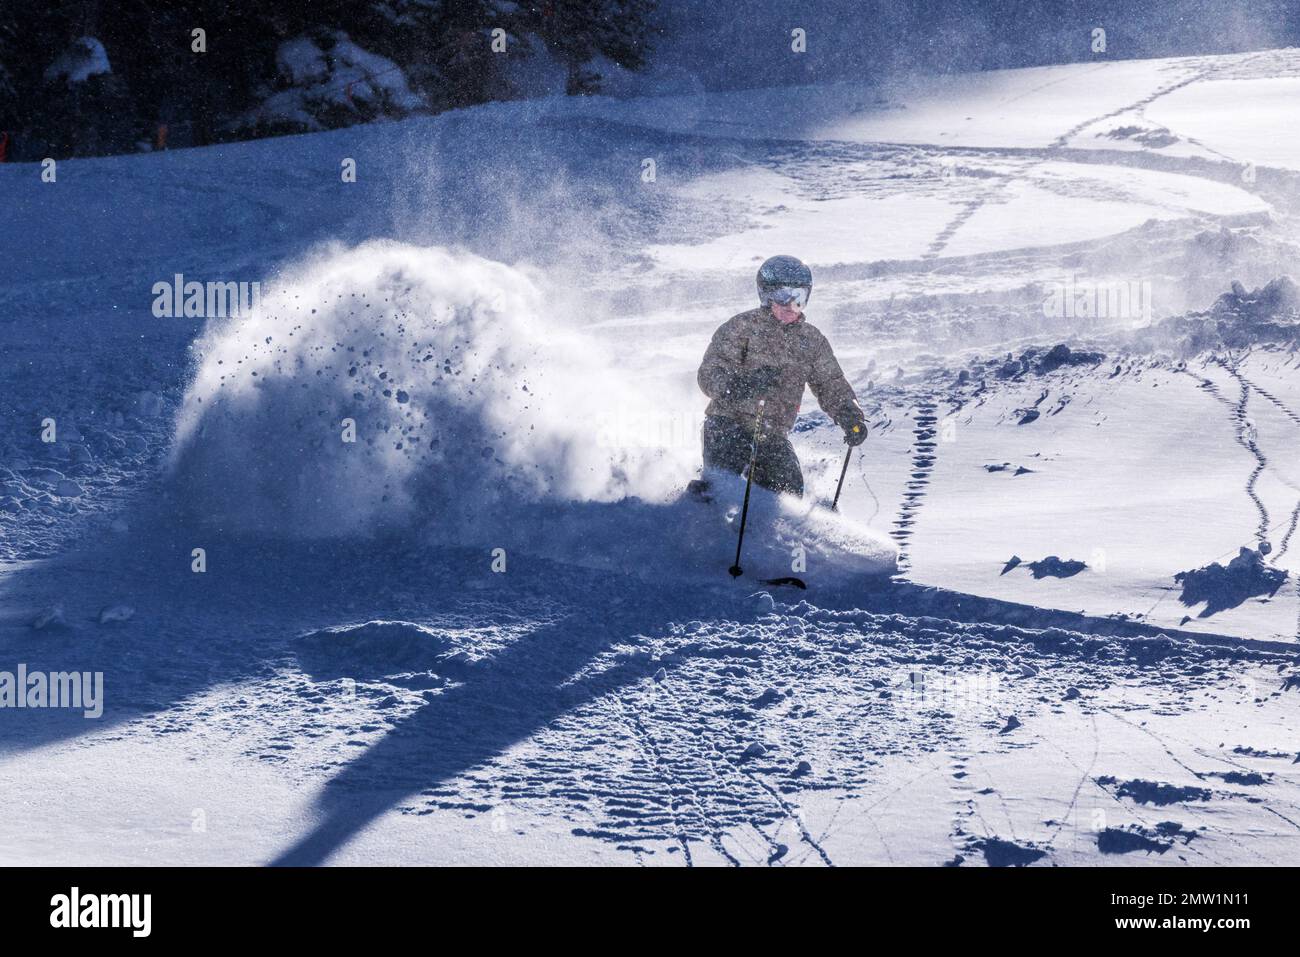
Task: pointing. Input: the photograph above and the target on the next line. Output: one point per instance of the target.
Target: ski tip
(789, 580)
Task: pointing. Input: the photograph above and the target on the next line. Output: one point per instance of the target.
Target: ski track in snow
(1245, 439)
(924, 450)
(1294, 519)
(969, 209)
(1197, 76)
(1247, 386)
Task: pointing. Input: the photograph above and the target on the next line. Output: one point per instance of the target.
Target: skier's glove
(754, 383)
(855, 433)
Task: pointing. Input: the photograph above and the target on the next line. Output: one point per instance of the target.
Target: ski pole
(735, 570)
(844, 471)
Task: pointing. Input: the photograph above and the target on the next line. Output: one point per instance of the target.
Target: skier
(771, 353)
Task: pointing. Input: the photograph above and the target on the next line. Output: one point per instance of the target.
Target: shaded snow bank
(1239, 318)
(695, 538)
(1226, 586)
(397, 652)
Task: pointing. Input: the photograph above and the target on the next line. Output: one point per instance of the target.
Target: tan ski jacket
(802, 357)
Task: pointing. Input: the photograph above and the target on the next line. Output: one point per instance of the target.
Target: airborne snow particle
(52, 617)
(115, 613)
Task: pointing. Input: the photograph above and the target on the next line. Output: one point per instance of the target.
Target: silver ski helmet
(780, 277)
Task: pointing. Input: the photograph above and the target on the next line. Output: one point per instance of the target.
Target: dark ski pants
(727, 445)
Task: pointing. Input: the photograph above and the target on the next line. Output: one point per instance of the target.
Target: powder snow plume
(467, 392)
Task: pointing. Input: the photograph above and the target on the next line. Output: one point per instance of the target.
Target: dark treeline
(300, 65)
(279, 67)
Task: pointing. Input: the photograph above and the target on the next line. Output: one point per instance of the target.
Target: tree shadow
(186, 632)
(521, 691)
(235, 624)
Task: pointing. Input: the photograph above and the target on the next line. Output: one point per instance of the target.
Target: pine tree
(8, 90)
(444, 49)
(578, 31)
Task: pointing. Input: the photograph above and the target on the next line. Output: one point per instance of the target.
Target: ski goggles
(788, 296)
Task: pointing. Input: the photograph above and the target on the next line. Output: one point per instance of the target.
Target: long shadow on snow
(188, 632)
(236, 623)
(525, 688)
(233, 623)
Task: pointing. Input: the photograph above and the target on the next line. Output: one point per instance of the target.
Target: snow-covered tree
(580, 32)
(79, 76)
(327, 80)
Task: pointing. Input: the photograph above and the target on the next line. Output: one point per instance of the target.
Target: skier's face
(786, 313)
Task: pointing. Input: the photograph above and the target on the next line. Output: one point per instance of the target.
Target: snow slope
(510, 310)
